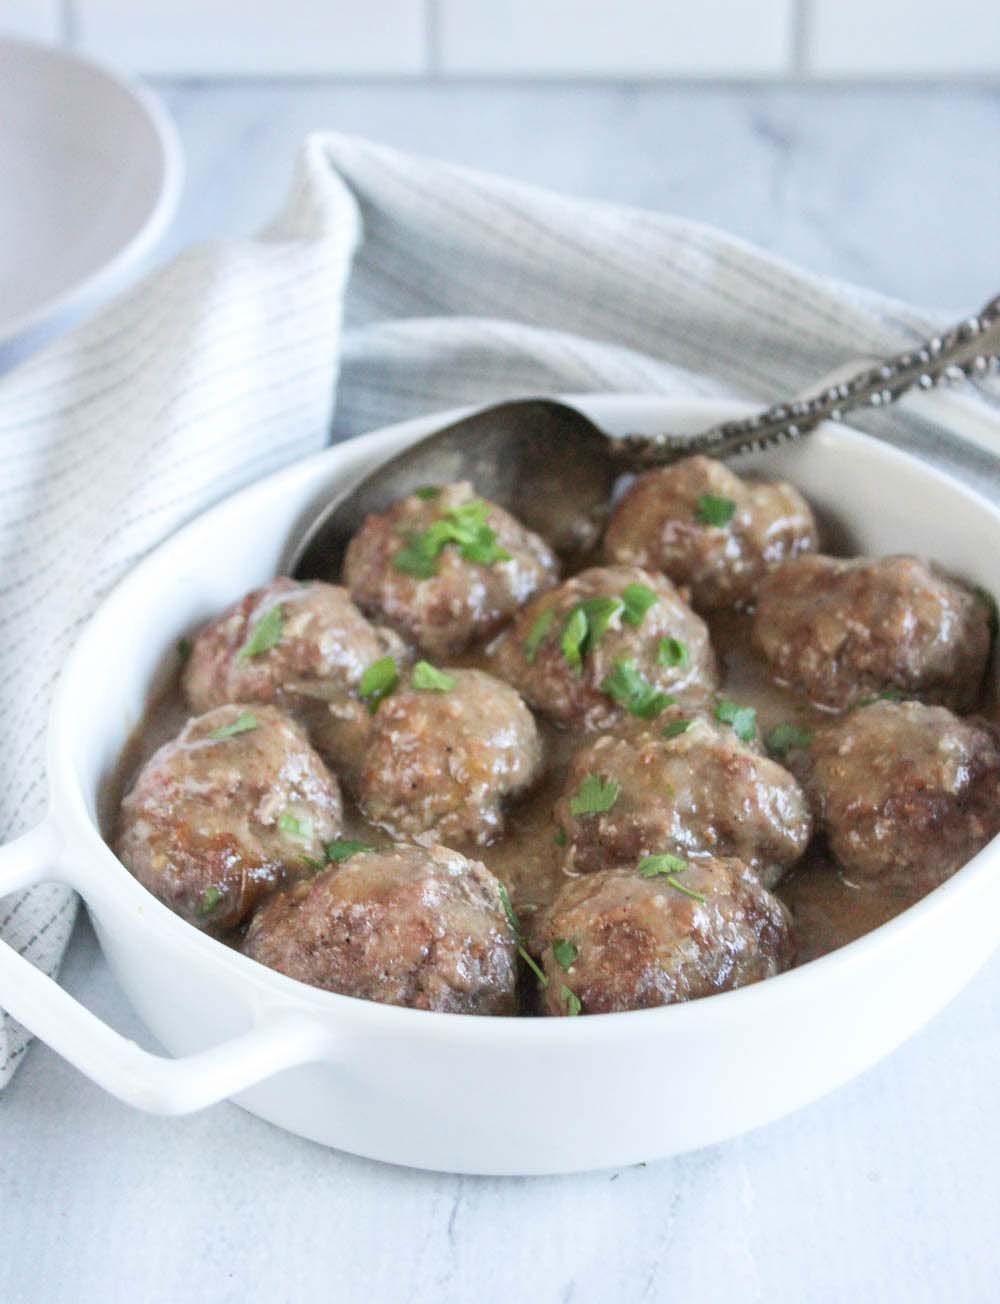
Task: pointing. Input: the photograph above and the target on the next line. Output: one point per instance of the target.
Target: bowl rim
(161, 212)
(106, 879)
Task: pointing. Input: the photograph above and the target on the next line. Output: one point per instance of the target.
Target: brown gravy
(828, 911)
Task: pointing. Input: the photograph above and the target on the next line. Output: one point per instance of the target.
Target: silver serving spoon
(555, 470)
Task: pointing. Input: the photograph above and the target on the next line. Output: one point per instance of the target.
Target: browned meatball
(712, 532)
(411, 926)
(443, 758)
(237, 805)
(302, 646)
(616, 940)
(840, 631)
(446, 568)
(701, 791)
(906, 793)
(611, 642)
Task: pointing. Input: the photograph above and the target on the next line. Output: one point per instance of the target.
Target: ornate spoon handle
(972, 348)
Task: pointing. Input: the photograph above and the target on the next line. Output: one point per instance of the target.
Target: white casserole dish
(468, 1094)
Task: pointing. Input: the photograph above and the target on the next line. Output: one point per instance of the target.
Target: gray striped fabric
(451, 287)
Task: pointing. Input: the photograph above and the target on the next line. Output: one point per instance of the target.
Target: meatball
(445, 753)
(700, 791)
(236, 806)
(446, 568)
(906, 793)
(302, 646)
(616, 940)
(613, 641)
(712, 532)
(415, 926)
(840, 631)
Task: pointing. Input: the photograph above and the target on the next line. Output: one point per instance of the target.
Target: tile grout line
(432, 38)
(801, 35)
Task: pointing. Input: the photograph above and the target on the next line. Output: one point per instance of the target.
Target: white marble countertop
(888, 1189)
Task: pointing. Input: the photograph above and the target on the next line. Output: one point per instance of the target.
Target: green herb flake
(565, 952)
(341, 849)
(415, 559)
(314, 865)
(574, 636)
(786, 737)
(600, 611)
(265, 635)
(428, 679)
(672, 652)
(628, 688)
(210, 898)
(669, 866)
(184, 648)
(515, 928)
(713, 510)
(246, 722)
(561, 838)
(637, 600)
(428, 491)
(742, 718)
(676, 727)
(298, 828)
(467, 526)
(595, 796)
(570, 1000)
(378, 682)
(536, 635)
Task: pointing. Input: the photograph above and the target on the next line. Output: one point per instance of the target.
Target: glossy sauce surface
(828, 911)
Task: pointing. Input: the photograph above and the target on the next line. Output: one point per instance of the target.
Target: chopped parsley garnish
(210, 898)
(428, 491)
(574, 636)
(246, 722)
(585, 627)
(377, 682)
(742, 718)
(672, 652)
(637, 600)
(629, 689)
(314, 865)
(299, 828)
(265, 635)
(595, 796)
(887, 695)
(560, 838)
(676, 727)
(713, 510)
(571, 1001)
(343, 849)
(536, 634)
(184, 648)
(669, 866)
(784, 738)
(515, 928)
(428, 679)
(565, 952)
(466, 526)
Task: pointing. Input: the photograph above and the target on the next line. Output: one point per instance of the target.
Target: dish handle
(281, 1039)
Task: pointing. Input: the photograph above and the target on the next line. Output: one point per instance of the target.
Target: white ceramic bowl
(91, 171)
(470, 1094)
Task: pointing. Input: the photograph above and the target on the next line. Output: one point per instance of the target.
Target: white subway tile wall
(881, 39)
(37, 20)
(616, 37)
(909, 38)
(256, 37)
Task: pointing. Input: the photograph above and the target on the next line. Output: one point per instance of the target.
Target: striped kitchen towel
(419, 285)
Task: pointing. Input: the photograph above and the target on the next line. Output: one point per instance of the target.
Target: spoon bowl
(547, 463)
